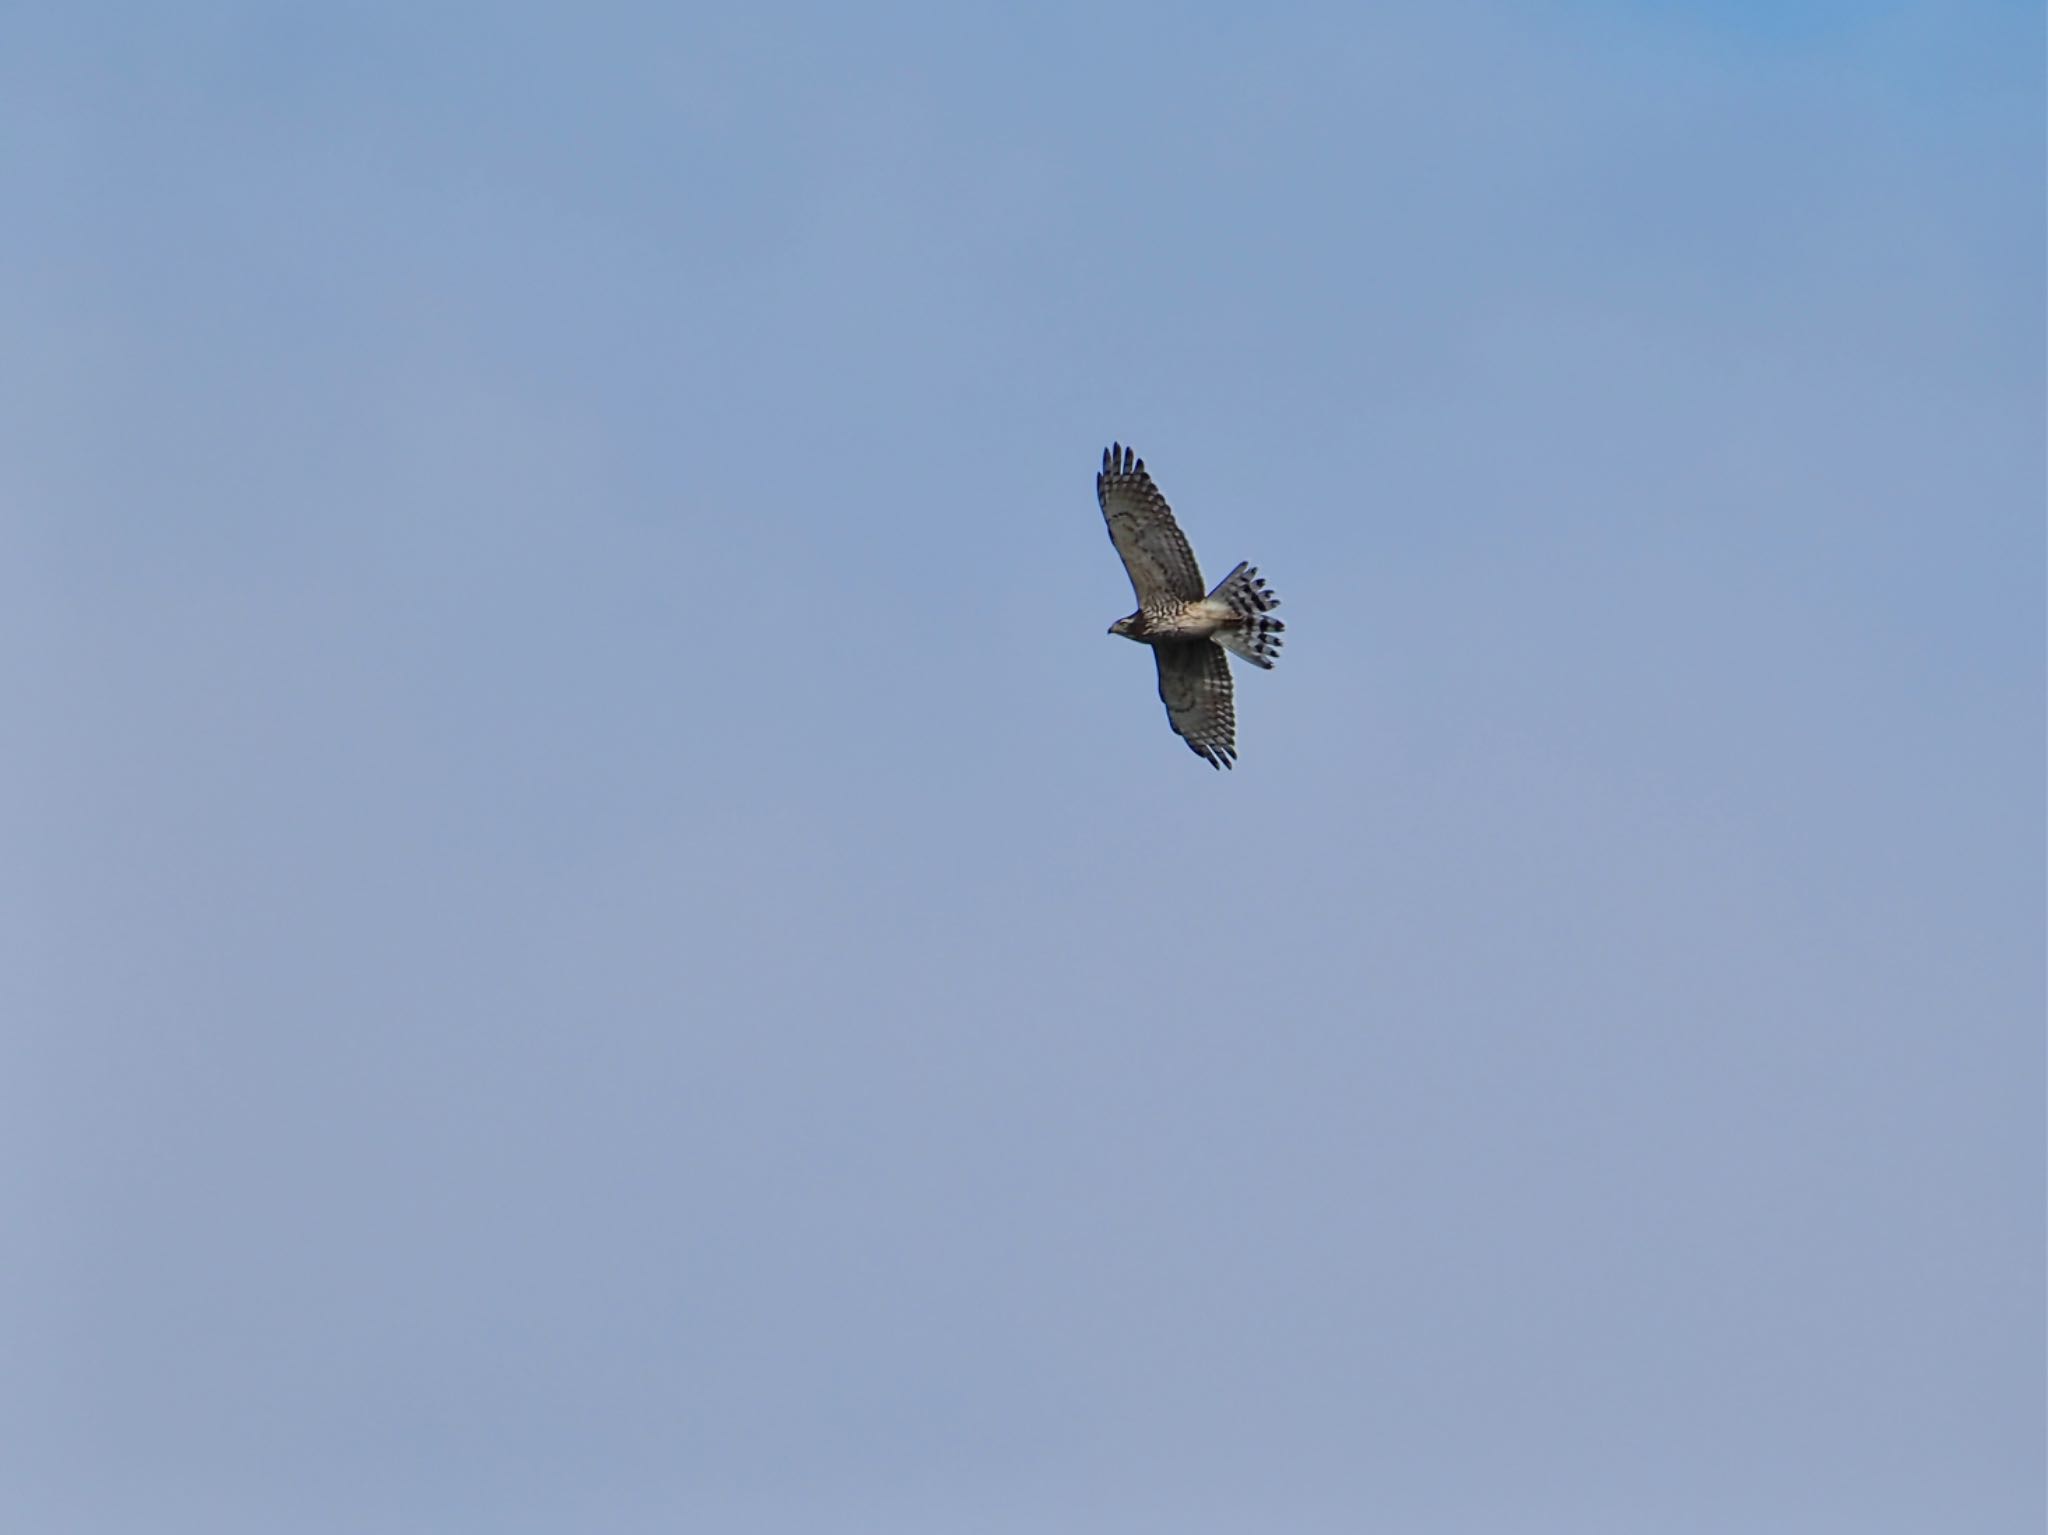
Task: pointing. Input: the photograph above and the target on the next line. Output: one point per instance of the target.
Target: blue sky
(597, 937)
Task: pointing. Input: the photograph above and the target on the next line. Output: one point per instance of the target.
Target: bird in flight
(1188, 627)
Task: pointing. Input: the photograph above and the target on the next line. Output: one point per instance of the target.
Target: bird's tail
(1254, 633)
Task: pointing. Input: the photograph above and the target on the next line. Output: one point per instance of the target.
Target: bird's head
(1127, 627)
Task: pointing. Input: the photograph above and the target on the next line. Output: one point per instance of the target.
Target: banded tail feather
(1253, 633)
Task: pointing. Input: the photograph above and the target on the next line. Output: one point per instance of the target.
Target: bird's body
(1202, 619)
(1188, 628)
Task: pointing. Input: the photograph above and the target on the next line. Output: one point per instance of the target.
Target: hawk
(1187, 627)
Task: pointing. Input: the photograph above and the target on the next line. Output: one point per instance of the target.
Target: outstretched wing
(1194, 684)
(1155, 552)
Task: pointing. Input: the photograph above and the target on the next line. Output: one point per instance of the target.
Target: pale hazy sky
(597, 938)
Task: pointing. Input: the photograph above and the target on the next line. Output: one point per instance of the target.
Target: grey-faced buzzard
(1188, 628)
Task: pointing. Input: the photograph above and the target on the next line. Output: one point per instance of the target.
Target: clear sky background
(597, 937)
